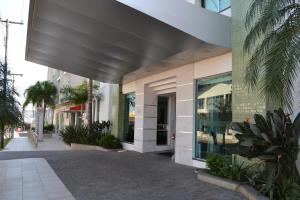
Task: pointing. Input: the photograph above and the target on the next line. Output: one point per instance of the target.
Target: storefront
(185, 110)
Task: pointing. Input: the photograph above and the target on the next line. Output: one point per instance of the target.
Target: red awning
(77, 108)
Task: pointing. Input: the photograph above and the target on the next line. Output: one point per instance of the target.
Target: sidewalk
(31, 179)
(19, 143)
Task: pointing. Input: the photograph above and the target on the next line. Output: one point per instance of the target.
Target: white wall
(105, 102)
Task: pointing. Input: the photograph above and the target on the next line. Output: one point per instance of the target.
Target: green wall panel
(245, 103)
(117, 111)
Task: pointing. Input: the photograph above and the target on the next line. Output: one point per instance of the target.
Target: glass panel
(129, 117)
(212, 5)
(213, 114)
(224, 4)
(216, 5)
(162, 120)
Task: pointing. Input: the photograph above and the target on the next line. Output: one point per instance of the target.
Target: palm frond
(273, 44)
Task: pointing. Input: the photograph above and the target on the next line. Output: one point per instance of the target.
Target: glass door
(162, 120)
(129, 118)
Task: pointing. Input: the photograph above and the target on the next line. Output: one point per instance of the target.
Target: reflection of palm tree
(224, 109)
(131, 99)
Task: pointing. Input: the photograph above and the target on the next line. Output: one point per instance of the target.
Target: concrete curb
(75, 146)
(246, 190)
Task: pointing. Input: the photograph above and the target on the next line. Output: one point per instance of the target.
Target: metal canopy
(107, 39)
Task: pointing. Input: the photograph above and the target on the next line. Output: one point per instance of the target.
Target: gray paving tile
(94, 175)
(25, 181)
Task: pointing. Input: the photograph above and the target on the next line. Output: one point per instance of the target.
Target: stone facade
(179, 82)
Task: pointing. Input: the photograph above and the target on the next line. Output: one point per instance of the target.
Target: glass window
(201, 103)
(213, 114)
(129, 117)
(224, 4)
(216, 5)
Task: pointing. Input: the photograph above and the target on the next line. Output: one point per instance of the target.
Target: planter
(33, 137)
(246, 190)
(75, 146)
(67, 146)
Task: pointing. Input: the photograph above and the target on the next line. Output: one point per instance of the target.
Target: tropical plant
(215, 162)
(228, 166)
(274, 140)
(10, 113)
(80, 95)
(273, 45)
(41, 94)
(110, 142)
(83, 134)
(49, 127)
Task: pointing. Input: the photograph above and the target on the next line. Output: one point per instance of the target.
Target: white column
(40, 123)
(96, 109)
(76, 116)
(145, 120)
(184, 115)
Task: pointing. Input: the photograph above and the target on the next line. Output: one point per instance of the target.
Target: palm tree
(41, 94)
(10, 113)
(80, 95)
(90, 103)
(273, 42)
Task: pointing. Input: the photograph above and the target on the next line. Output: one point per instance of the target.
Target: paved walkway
(19, 143)
(95, 175)
(30, 179)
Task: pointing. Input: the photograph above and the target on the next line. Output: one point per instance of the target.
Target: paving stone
(94, 175)
(28, 185)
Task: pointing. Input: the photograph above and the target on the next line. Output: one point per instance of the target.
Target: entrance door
(162, 120)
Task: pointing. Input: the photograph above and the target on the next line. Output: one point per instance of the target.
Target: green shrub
(228, 167)
(216, 163)
(49, 127)
(110, 142)
(82, 134)
(235, 170)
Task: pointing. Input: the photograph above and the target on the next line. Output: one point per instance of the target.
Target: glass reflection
(129, 117)
(213, 114)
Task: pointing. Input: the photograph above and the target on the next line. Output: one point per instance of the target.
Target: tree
(273, 42)
(80, 95)
(41, 94)
(10, 113)
(90, 102)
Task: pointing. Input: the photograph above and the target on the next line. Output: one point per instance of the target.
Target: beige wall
(182, 81)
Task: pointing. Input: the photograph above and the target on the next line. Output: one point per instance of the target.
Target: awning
(78, 108)
(106, 39)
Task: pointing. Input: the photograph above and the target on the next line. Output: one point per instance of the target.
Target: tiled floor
(30, 179)
(23, 144)
(97, 175)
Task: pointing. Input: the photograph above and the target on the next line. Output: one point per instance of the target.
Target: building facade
(174, 69)
(67, 113)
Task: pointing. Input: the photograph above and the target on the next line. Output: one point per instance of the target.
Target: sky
(17, 10)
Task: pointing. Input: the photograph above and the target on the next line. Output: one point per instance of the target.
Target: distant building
(68, 113)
